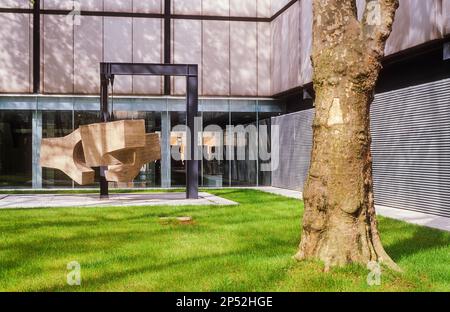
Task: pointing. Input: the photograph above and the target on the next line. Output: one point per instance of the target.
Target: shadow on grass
(144, 264)
(422, 239)
(133, 267)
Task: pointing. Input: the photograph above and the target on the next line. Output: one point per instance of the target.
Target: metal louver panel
(411, 148)
(295, 149)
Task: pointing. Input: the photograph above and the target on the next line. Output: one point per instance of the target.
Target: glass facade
(215, 167)
(15, 149)
(245, 139)
(21, 130)
(177, 138)
(56, 124)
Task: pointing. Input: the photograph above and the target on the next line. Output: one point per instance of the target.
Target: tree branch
(377, 23)
(332, 19)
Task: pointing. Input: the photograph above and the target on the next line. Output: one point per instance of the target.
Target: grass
(248, 247)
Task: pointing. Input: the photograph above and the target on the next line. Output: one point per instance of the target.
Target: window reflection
(15, 149)
(216, 170)
(244, 171)
(177, 167)
(56, 124)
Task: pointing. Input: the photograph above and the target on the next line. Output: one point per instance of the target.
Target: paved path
(418, 218)
(117, 200)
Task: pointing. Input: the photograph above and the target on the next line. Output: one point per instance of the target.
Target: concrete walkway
(116, 200)
(418, 218)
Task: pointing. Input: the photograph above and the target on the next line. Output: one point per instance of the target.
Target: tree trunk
(339, 224)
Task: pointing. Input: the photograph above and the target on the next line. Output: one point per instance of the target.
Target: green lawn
(248, 247)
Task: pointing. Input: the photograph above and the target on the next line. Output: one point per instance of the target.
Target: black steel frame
(36, 47)
(190, 71)
(167, 39)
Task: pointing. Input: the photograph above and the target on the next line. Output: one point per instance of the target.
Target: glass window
(177, 140)
(15, 149)
(245, 143)
(54, 125)
(86, 118)
(150, 175)
(214, 164)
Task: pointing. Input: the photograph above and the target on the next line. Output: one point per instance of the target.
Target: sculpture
(122, 146)
(66, 154)
(151, 151)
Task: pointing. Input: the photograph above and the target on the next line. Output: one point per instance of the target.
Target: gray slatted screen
(295, 149)
(411, 148)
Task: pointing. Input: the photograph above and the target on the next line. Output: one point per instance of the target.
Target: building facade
(254, 64)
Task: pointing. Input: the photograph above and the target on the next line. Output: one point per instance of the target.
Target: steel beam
(105, 116)
(192, 161)
(148, 69)
(37, 46)
(167, 39)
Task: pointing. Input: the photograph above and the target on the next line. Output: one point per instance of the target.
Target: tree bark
(339, 223)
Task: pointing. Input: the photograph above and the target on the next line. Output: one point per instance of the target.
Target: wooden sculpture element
(109, 143)
(151, 151)
(66, 154)
(122, 146)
